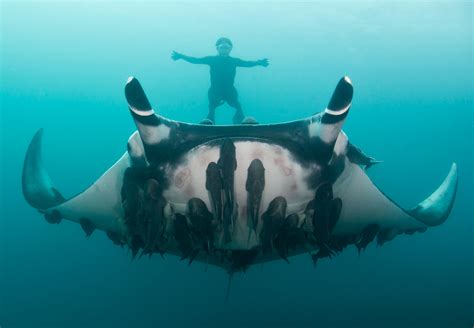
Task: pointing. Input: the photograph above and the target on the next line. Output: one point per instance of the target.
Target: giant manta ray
(236, 195)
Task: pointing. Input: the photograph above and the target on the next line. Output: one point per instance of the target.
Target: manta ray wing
(100, 203)
(365, 204)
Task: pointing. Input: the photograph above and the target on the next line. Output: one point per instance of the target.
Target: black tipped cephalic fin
(435, 209)
(142, 112)
(38, 188)
(136, 98)
(340, 102)
(328, 128)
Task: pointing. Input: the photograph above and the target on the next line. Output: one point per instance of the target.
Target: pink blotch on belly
(279, 162)
(257, 153)
(189, 190)
(204, 158)
(181, 177)
(287, 170)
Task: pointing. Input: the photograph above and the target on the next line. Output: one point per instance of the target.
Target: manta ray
(237, 195)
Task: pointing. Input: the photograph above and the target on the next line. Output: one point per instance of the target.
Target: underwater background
(63, 68)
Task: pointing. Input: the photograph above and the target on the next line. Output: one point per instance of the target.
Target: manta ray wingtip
(37, 186)
(435, 209)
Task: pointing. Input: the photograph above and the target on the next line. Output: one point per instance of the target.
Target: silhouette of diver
(222, 69)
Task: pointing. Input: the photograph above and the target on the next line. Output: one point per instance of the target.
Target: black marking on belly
(254, 185)
(143, 206)
(289, 236)
(325, 212)
(201, 227)
(227, 165)
(272, 220)
(153, 219)
(214, 186)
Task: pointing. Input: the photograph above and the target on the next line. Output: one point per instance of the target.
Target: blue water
(64, 66)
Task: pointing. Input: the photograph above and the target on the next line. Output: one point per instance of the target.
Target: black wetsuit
(222, 70)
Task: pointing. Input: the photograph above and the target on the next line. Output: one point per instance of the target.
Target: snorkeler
(223, 68)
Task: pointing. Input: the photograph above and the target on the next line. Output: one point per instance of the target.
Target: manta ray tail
(38, 188)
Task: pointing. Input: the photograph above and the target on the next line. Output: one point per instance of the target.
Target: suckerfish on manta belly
(237, 195)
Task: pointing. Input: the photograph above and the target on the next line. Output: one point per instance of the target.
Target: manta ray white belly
(283, 176)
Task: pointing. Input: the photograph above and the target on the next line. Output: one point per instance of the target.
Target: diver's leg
(239, 115)
(211, 115)
(232, 99)
(215, 100)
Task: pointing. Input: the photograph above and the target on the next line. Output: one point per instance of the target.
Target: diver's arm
(251, 63)
(193, 60)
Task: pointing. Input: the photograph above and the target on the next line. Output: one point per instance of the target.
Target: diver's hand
(176, 55)
(263, 62)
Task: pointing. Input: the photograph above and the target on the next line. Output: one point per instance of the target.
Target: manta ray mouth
(237, 195)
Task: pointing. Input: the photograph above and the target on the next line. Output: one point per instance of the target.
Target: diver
(222, 69)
